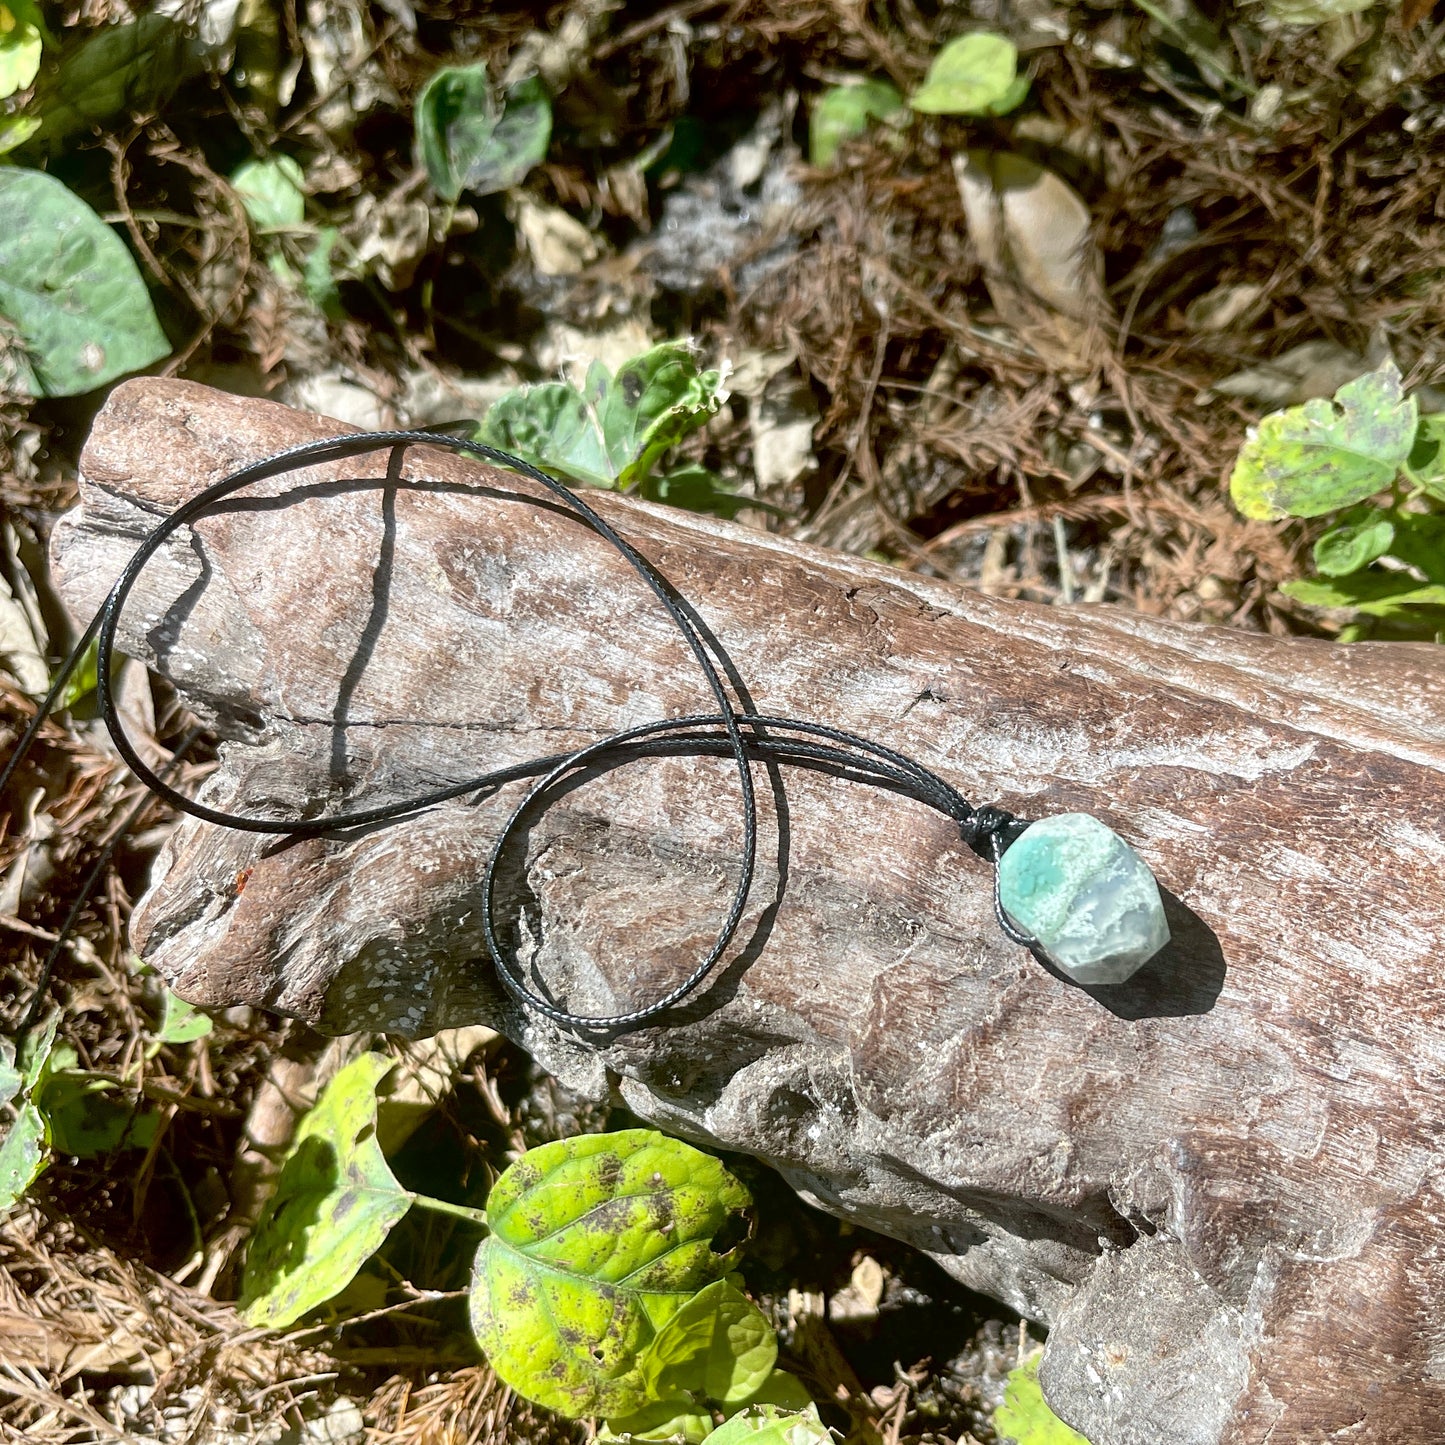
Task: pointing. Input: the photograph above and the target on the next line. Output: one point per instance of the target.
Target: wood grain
(1220, 1184)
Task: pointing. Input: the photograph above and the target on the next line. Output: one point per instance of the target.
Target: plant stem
(443, 1206)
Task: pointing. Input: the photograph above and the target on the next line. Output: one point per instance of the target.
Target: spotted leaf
(596, 1243)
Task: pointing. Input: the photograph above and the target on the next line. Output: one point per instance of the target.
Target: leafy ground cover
(993, 293)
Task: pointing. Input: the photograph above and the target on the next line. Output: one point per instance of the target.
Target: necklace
(1068, 888)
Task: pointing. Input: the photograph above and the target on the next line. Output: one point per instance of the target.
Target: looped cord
(741, 736)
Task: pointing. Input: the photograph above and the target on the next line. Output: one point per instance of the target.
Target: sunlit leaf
(272, 191)
(70, 290)
(470, 142)
(676, 1421)
(1326, 455)
(1375, 593)
(612, 432)
(772, 1425)
(335, 1202)
(22, 43)
(597, 1241)
(1025, 1417)
(842, 113)
(973, 75)
(82, 680)
(719, 1345)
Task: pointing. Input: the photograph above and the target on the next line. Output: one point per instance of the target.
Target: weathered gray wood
(1220, 1183)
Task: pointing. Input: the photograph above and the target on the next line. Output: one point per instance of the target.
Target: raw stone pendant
(1087, 897)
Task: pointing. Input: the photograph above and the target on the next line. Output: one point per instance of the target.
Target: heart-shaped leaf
(1326, 455)
(719, 1345)
(469, 142)
(973, 75)
(612, 432)
(597, 1241)
(335, 1202)
(70, 292)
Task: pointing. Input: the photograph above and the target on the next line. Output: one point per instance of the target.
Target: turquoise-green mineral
(1086, 895)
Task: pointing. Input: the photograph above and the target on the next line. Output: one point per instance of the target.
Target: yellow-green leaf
(597, 1241)
(719, 1345)
(1025, 1418)
(973, 75)
(22, 43)
(335, 1202)
(1326, 455)
(842, 113)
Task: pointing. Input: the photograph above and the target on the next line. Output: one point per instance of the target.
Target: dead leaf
(1314, 368)
(1033, 235)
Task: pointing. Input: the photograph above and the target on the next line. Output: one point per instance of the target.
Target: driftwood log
(1219, 1185)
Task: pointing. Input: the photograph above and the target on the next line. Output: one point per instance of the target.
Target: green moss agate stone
(1086, 895)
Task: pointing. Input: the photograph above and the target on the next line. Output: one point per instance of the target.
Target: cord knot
(990, 830)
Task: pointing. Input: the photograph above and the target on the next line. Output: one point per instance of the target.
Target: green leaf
(597, 1241)
(1427, 457)
(82, 680)
(71, 291)
(770, 1425)
(1326, 455)
(25, 1150)
(10, 1076)
(842, 113)
(695, 489)
(782, 1389)
(318, 279)
(611, 433)
(23, 1155)
(1420, 542)
(676, 1421)
(86, 1118)
(1355, 543)
(1025, 1417)
(718, 1345)
(272, 191)
(114, 70)
(181, 1022)
(1375, 593)
(335, 1202)
(22, 42)
(973, 75)
(469, 143)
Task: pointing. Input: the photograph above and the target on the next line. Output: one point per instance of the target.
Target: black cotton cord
(743, 736)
